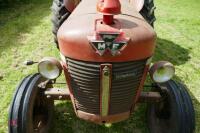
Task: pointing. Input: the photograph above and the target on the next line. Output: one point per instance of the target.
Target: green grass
(25, 33)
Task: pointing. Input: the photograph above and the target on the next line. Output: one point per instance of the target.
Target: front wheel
(175, 113)
(30, 111)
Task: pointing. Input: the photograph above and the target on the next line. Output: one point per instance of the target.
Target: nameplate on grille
(118, 76)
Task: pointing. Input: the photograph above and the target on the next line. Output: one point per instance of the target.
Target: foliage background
(25, 33)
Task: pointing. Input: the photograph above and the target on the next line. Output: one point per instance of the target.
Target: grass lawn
(25, 33)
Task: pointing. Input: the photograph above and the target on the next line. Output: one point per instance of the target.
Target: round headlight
(162, 71)
(50, 68)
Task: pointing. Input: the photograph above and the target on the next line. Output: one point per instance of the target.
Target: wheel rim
(40, 114)
(163, 115)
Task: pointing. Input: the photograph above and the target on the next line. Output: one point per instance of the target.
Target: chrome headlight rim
(54, 62)
(162, 65)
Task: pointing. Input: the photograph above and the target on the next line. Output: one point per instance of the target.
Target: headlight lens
(162, 71)
(50, 68)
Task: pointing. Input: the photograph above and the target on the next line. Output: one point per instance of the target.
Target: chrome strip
(105, 90)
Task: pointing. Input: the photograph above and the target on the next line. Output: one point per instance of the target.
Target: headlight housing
(50, 68)
(162, 71)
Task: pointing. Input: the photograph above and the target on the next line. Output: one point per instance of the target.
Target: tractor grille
(124, 89)
(85, 84)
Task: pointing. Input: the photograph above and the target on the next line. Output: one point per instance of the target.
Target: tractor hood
(84, 36)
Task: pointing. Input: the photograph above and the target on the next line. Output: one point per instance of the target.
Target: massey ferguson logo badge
(108, 42)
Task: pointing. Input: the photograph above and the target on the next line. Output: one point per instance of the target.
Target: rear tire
(148, 12)
(59, 15)
(175, 113)
(30, 110)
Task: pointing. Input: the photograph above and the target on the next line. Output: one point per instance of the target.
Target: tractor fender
(138, 4)
(70, 5)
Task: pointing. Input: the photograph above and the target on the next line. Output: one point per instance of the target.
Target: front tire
(30, 110)
(175, 113)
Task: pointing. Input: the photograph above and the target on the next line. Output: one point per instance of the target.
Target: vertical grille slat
(85, 83)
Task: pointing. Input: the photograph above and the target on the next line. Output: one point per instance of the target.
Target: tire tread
(148, 12)
(20, 103)
(184, 107)
(59, 15)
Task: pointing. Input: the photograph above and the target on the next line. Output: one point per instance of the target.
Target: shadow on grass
(169, 51)
(19, 20)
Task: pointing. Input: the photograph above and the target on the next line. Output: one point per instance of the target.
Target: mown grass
(25, 33)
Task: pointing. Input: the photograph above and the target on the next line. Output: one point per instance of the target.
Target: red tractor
(106, 48)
